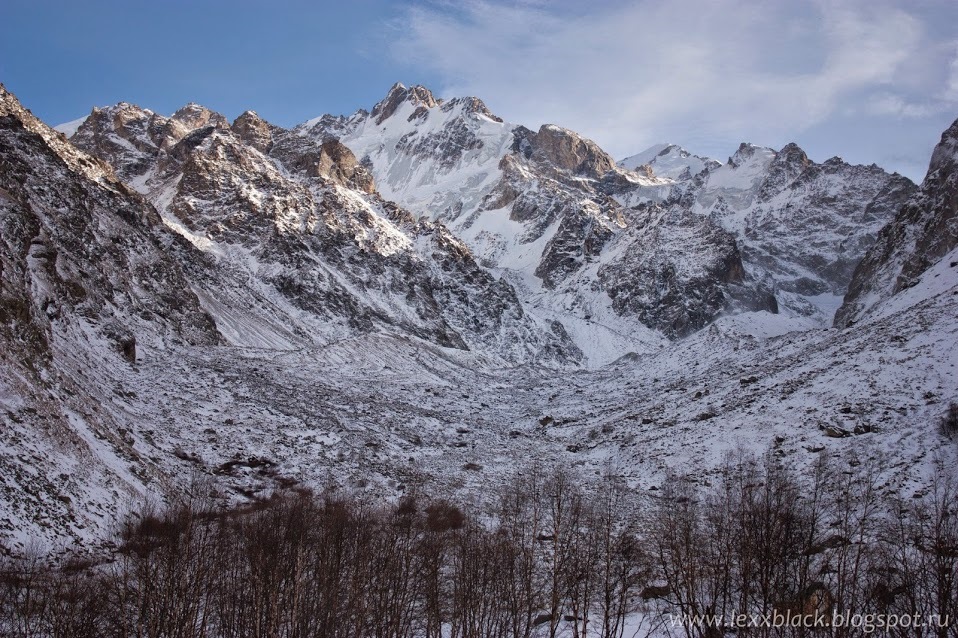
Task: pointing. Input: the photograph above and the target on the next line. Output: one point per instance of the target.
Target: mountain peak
(126, 108)
(470, 105)
(670, 161)
(398, 94)
(745, 152)
(193, 116)
(794, 152)
(946, 152)
(253, 130)
(567, 150)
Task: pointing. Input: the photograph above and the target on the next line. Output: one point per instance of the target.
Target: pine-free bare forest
(555, 554)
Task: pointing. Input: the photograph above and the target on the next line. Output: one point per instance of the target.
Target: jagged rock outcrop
(194, 116)
(254, 130)
(567, 151)
(337, 163)
(924, 231)
(420, 96)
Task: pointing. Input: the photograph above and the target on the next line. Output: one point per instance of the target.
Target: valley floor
(385, 415)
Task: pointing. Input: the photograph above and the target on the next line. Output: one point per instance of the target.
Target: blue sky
(871, 81)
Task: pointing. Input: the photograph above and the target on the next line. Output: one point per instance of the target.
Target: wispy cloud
(701, 73)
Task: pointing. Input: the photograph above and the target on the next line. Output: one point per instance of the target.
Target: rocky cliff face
(801, 226)
(79, 245)
(923, 232)
(89, 291)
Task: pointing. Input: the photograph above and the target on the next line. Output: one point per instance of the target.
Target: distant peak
(418, 95)
(248, 116)
(253, 130)
(121, 107)
(191, 107)
(470, 105)
(669, 160)
(745, 152)
(793, 149)
(946, 152)
(193, 116)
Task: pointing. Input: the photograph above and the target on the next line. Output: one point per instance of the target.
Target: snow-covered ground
(382, 414)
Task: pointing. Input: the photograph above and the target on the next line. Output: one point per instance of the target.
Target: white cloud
(897, 106)
(700, 73)
(951, 86)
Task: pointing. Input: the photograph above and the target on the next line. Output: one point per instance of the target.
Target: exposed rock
(337, 163)
(567, 151)
(674, 295)
(253, 130)
(418, 95)
(923, 232)
(835, 432)
(194, 116)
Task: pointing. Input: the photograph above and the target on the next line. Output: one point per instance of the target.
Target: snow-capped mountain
(297, 229)
(671, 161)
(554, 214)
(551, 212)
(237, 302)
(801, 226)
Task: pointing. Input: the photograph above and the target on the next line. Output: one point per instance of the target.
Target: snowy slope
(669, 160)
(69, 128)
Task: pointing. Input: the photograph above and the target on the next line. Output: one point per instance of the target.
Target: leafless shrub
(556, 556)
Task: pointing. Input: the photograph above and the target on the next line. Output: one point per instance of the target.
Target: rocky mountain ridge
(87, 286)
(923, 232)
(236, 302)
(542, 206)
(304, 224)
